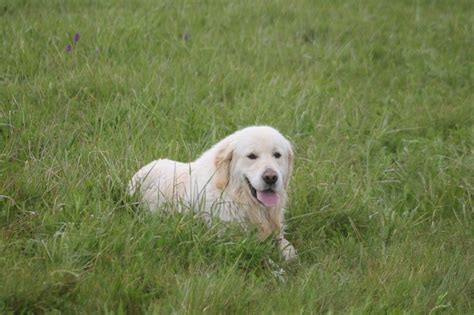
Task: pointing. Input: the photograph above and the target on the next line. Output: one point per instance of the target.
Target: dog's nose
(270, 177)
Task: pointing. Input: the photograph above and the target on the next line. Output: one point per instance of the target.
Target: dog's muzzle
(268, 197)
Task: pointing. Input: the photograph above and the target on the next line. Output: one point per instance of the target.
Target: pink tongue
(269, 199)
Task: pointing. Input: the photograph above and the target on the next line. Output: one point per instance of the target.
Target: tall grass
(376, 96)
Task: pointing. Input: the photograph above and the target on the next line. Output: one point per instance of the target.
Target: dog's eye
(252, 156)
(277, 155)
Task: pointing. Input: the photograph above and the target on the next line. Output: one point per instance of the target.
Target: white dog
(243, 179)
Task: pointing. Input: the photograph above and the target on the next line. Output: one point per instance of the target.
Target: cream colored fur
(215, 185)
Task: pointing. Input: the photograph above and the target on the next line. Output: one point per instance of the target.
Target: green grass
(377, 97)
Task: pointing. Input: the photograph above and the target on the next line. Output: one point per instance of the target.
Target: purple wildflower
(77, 36)
(68, 48)
(186, 37)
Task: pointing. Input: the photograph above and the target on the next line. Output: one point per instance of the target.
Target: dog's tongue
(268, 198)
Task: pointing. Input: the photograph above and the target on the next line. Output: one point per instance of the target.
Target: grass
(377, 97)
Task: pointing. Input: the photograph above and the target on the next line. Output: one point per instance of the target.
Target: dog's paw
(287, 250)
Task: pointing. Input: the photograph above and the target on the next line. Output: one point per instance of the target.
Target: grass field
(376, 96)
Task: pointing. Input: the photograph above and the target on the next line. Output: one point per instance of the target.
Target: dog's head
(256, 162)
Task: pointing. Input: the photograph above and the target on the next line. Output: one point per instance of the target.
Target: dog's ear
(222, 163)
(291, 157)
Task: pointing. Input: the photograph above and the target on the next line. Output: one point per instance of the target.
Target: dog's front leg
(287, 250)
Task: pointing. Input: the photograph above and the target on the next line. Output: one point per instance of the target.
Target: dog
(243, 178)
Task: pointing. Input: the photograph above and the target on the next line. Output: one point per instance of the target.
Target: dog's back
(161, 181)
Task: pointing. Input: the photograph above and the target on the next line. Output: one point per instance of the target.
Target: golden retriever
(243, 178)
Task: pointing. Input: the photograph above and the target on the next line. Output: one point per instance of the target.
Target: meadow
(376, 96)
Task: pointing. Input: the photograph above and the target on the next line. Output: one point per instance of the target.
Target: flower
(186, 37)
(77, 36)
(68, 48)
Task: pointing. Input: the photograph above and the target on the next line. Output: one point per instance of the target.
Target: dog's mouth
(268, 197)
